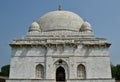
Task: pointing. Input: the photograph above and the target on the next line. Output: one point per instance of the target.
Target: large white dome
(60, 20)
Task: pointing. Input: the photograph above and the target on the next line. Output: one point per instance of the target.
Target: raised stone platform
(52, 80)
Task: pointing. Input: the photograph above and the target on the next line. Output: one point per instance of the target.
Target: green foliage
(115, 71)
(118, 72)
(5, 70)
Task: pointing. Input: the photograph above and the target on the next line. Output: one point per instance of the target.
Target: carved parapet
(56, 42)
(61, 35)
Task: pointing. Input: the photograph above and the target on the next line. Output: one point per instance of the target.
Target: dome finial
(59, 8)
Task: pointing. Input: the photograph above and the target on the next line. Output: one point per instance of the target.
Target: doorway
(60, 74)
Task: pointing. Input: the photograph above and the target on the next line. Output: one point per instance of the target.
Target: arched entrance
(60, 74)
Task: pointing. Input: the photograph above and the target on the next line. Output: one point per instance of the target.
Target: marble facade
(60, 49)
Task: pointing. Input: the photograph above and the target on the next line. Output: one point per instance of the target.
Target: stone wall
(24, 60)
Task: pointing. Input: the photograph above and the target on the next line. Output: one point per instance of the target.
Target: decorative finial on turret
(59, 8)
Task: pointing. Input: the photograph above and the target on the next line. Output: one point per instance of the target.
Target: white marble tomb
(60, 46)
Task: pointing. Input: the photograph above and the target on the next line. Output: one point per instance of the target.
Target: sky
(17, 15)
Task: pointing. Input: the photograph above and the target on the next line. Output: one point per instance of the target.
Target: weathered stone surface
(68, 49)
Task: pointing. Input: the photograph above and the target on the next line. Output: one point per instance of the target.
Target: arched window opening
(39, 71)
(81, 72)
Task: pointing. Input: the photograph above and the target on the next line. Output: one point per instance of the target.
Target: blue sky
(17, 15)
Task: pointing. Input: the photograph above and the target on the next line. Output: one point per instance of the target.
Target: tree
(115, 71)
(5, 70)
(118, 72)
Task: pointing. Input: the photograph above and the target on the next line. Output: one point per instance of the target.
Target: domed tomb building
(60, 46)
